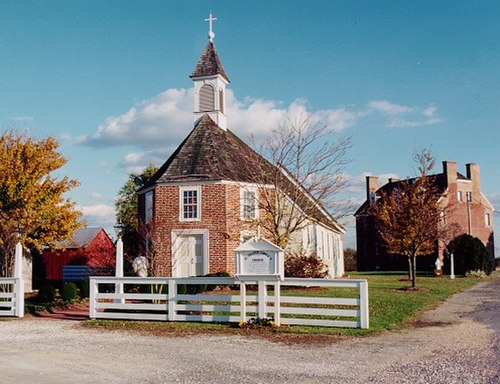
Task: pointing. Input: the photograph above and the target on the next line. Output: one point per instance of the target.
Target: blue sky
(109, 79)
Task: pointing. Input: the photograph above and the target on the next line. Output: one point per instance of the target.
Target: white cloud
(96, 196)
(388, 108)
(400, 116)
(164, 120)
(100, 215)
(23, 118)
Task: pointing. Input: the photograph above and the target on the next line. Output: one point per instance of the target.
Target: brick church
(203, 202)
(470, 211)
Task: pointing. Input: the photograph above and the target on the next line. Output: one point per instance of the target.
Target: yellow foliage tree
(31, 197)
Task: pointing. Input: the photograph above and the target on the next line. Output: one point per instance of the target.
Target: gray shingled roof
(210, 153)
(209, 63)
(81, 238)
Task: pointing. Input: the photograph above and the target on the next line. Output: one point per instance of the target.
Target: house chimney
(393, 180)
(474, 175)
(450, 172)
(371, 187)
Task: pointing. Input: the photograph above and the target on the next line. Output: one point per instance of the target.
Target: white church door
(189, 254)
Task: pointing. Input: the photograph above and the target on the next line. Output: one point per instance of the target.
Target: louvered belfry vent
(207, 98)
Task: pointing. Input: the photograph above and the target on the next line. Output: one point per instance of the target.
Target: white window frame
(460, 196)
(197, 189)
(243, 191)
(487, 219)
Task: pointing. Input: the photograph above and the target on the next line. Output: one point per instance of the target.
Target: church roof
(209, 63)
(210, 153)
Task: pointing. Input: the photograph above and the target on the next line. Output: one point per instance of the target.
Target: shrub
(302, 265)
(68, 291)
(476, 274)
(84, 288)
(470, 255)
(211, 287)
(46, 294)
(181, 289)
(350, 259)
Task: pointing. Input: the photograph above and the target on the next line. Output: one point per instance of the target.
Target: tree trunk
(410, 269)
(414, 277)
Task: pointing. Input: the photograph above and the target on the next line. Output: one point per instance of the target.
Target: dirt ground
(458, 342)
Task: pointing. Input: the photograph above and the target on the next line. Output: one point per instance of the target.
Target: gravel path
(459, 342)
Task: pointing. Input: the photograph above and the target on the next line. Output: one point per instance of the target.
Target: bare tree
(305, 179)
(409, 217)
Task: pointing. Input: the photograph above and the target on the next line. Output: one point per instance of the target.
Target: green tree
(408, 217)
(126, 206)
(31, 197)
(470, 255)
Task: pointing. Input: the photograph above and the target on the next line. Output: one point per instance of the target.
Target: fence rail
(234, 300)
(11, 297)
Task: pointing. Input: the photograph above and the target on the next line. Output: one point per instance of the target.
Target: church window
(190, 204)
(248, 204)
(207, 102)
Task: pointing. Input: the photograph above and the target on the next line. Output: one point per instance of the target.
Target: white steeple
(210, 82)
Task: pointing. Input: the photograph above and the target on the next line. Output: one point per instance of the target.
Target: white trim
(198, 203)
(186, 232)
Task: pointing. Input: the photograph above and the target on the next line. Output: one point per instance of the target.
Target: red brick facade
(466, 206)
(220, 218)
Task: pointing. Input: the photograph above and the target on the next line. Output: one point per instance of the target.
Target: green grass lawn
(390, 306)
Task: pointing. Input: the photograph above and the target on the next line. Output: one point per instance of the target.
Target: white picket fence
(135, 298)
(12, 297)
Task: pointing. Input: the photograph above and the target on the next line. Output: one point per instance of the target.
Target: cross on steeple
(211, 34)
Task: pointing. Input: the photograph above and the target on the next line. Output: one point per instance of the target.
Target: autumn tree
(126, 206)
(31, 196)
(408, 216)
(307, 174)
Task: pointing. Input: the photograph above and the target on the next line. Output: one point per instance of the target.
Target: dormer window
(207, 99)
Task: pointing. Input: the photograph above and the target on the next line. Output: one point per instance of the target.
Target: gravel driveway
(459, 342)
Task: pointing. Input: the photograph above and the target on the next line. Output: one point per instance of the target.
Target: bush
(181, 289)
(350, 259)
(85, 288)
(302, 265)
(68, 291)
(470, 255)
(46, 294)
(476, 274)
(211, 287)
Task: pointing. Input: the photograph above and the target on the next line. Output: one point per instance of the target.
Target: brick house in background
(91, 247)
(204, 200)
(470, 211)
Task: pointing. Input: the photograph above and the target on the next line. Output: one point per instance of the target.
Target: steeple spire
(210, 82)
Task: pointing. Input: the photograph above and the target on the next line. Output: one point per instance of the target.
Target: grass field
(391, 306)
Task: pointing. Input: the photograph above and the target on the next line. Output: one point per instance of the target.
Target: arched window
(207, 98)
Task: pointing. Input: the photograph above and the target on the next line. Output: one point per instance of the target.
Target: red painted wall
(100, 252)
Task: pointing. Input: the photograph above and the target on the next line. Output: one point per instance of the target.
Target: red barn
(90, 247)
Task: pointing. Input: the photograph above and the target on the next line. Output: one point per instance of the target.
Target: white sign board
(259, 258)
(258, 263)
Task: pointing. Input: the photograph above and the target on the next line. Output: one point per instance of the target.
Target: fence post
(243, 301)
(119, 270)
(172, 299)
(262, 298)
(363, 305)
(277, 303)
(19, 297)
(93, 290)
